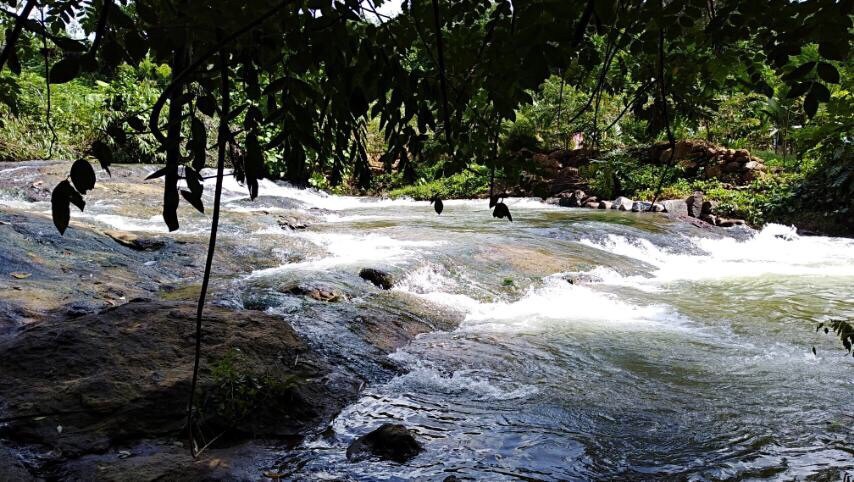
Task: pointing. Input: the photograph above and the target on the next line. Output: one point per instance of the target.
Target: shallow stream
(594, 344)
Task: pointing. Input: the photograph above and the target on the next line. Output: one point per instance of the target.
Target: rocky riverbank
(693, 209)
(97, 336)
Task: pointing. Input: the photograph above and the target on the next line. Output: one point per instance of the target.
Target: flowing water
(593, 344)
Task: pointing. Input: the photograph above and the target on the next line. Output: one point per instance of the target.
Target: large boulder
(678, 207)
(123, 374)
(694, 204)
(622, 204)
(390, 442)
(379, 278)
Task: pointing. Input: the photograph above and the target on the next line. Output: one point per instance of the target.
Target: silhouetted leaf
(833, 50)
(502, 211)
(76, 199)
(828, 73)
(811, 105)
(798, 90)
(206, 104)
(65, 70)
(196, 201)
(438, 205)
(170, 208)
(135, 45)
(254, 164)
(199, 143)
(194, 181)
(60, 204)
(118, 134)
(136, 123)
(69, 45)
(158, 173)
(799, 72)
(103, 154)
(822, 94)
(82, 175)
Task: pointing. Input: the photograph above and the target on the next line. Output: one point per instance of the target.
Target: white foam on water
(351, 250)
(427, 279)
(554, 302)
(776, 250)
(319, 199)
(315, 198)
(466, 384)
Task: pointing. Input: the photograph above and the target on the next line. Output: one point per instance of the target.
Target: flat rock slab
(86, 384)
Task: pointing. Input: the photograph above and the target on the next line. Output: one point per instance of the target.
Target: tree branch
(12, 39)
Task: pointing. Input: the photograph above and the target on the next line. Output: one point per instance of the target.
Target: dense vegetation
(346, 88)
(441, 97)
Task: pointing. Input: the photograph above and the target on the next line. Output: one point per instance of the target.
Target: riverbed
(588, 344)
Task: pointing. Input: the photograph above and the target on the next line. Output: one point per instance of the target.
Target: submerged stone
(378, 277)
(390, 442)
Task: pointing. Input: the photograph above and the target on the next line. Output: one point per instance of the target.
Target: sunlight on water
(664, 352)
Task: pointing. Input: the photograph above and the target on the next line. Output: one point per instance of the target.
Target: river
(593, 344)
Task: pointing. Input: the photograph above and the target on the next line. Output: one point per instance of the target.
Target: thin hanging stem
(222, 139)
(48, 114)
(662, 89)
(440, 51)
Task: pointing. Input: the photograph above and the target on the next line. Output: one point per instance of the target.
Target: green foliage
(466, 184)
(131, 93)
(521, 134)
(240, 394)
(75, 114)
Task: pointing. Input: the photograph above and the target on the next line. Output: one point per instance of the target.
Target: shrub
(470, 183)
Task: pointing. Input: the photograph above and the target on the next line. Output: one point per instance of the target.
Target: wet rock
(604, 205)
(11, 468)
(694, 204)
(133, 241)
(566, 202)
(390, 442)
(124, 373)
(641, 206)
(291, 222)
(379, 278)
(581, 278)
(676, 207)
(622, 204)
(728, 223)
(316, 292)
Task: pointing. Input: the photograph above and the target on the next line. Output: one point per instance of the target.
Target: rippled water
(675, 353)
